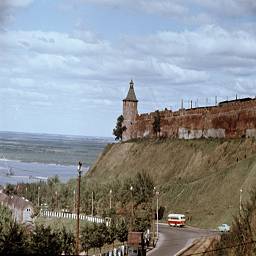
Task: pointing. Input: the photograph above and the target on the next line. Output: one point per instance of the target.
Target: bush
(241, 239)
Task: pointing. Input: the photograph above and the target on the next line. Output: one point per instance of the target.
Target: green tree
(67, 241)
(142, 222)
(45, 241)
(10, 189)
(112, 230)
(13, 240)
(5, 217)
(119, 129)
(100, 235)
(157, 123)
(143, 185)
(86, 238)
(122, 231)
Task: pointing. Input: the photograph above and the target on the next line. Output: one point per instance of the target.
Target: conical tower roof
(131, 93)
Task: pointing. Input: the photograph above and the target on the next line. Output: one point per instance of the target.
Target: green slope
(201, 178)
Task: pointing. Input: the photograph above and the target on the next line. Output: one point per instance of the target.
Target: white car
(224, 228)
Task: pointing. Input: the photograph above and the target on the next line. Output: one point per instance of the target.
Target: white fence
(50, 214)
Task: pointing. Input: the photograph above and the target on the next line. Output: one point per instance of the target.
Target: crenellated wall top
(222, 107)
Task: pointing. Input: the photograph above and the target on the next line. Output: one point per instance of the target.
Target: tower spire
(131, 96)
(130, 112)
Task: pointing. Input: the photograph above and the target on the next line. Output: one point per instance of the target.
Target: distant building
(130, 112)
(228, 119)
(22, 209)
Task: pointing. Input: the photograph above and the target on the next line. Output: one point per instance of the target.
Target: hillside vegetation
(201, 178)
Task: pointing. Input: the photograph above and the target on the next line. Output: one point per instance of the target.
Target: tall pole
(131, 189)
(157, 195)
(74, 192)
(38, 196)
(110, 195)
(92, 203)
(153, 217)
(56, 194)
(78, 207)
(240, 201)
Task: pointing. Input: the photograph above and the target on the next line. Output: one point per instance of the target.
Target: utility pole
(79, 167)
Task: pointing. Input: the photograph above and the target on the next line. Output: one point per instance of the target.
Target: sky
(66, 64)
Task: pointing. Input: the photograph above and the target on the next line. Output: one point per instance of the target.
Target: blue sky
(66, 65)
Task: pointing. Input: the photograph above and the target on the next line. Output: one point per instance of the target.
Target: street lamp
(110, 195)
(240, 201)
(56, 194)
(92, 203)
(79, 170)
(131, 189)
(157, 197)
(38, 196)
(74, 193)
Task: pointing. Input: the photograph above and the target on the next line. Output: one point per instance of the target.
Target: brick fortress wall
(231, 119)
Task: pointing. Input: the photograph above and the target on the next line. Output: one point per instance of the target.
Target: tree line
(132, 207)
(57, 196)
(16, 239)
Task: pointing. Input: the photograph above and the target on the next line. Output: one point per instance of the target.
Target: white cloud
(165, 7)
(190, 12)
(65, 71)
(15, 3)
(228, 7)
(52, 42)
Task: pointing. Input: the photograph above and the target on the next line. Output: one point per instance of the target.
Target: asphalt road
(172, 240)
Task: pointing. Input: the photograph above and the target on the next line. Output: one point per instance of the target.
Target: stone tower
(130, 112)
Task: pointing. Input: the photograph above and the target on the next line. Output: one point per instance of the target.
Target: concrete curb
(190, 244)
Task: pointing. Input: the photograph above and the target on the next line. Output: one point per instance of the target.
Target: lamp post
(92, 203)
(157, 197)
(79, 170)
(240, 201)
(153, 218)
(38, 196)
(74, 193)
(110, 198)
(56, 194)
(131, 189)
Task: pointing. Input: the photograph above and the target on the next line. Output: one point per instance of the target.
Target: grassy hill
(201, 178)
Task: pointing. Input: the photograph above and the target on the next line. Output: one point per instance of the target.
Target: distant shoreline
(26, 155)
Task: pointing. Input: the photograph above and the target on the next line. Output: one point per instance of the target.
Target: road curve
(172, 240)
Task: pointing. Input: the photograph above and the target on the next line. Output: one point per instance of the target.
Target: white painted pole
(240, 202)
(110, 195)
(92, 203)
(157, 195)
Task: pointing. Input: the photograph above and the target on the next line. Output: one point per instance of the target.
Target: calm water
(31, 157)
